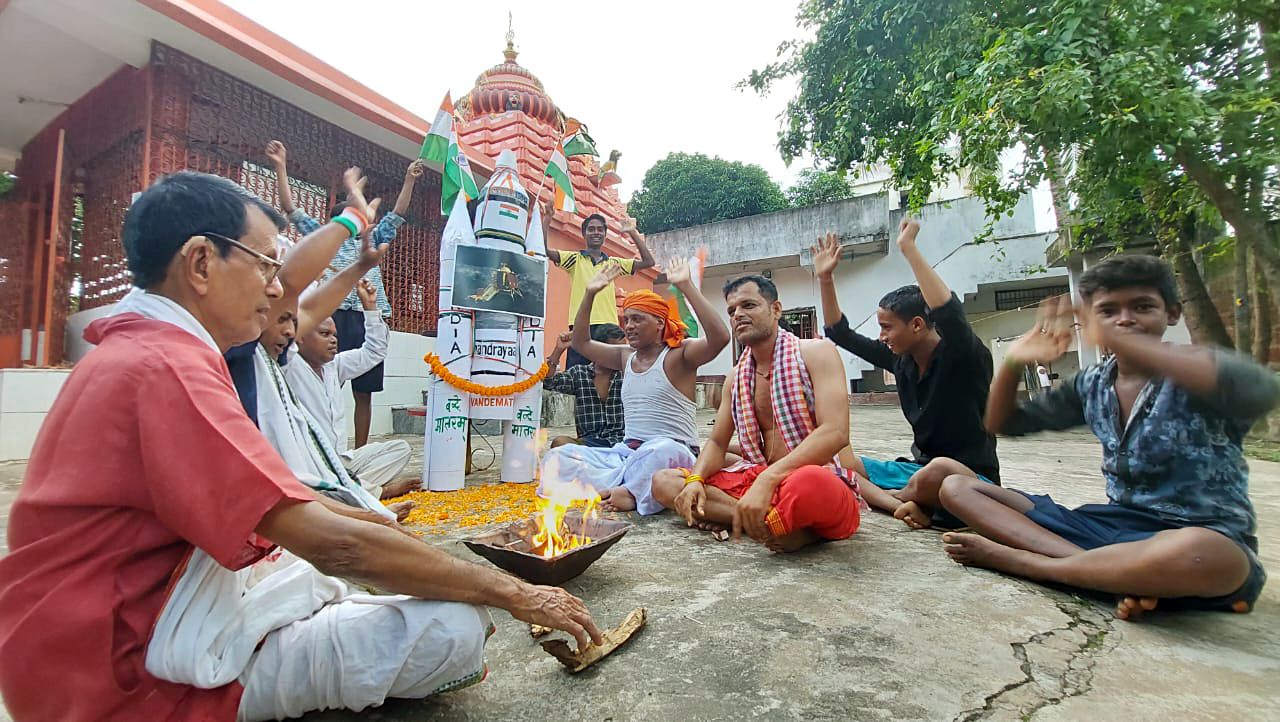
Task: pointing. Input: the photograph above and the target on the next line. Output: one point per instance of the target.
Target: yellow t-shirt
(582, 269)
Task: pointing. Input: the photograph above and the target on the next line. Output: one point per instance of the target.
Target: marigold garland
(437, 367)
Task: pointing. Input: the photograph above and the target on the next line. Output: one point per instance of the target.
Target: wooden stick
(614, 638)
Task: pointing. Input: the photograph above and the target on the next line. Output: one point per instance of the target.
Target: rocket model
(489, 348)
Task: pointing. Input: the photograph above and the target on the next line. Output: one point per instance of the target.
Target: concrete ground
(880, 626)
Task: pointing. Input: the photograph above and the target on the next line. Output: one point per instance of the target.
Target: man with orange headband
(787, 404)
(659, 367)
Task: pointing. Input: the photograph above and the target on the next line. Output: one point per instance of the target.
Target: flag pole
(537, 196)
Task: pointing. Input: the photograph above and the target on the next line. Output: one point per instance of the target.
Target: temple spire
(510, 52)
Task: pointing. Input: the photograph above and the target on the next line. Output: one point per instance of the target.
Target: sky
(647, 78)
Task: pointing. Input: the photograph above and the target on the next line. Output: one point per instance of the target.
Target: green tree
(684, 190)
(814, 186)
(1163, 101)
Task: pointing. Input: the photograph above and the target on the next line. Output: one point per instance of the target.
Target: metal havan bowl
(510, 548)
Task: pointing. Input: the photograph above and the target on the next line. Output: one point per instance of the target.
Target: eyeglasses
(267, 265)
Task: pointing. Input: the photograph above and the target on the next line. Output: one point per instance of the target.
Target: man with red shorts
(786, 402)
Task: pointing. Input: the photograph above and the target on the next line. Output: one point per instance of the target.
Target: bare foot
(978, 551)
(401, 509)
(711, 526)
(617, 499)
(913, 516)
(400, 487)
(793, 541)
(1132, 608)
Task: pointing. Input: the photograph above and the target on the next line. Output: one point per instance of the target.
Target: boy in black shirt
(943, 374)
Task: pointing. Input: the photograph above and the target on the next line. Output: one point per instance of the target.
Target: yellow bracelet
(691, 478)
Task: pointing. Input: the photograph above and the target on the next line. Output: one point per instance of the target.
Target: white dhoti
(618, 465)
(358, 652)
(377, 463)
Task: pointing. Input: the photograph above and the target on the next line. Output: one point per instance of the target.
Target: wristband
(352, 220)
(1013, 363)
(693, 478)
(351, 227)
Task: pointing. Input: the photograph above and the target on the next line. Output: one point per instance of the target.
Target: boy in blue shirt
(1179, 524)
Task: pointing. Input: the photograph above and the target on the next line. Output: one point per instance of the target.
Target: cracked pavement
(880, 626)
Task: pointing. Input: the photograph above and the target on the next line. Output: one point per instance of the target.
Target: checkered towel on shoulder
(792, 395)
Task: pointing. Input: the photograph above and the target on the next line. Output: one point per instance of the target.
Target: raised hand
(604, 277)
(276, 153)
(564, 341)
(826, 255)
(554, 607)
(415, 169)
(907, 231)
(1050, 336)
(628, 224)
(678, 271)
(549, 206)
(353, 181)
(368, 295)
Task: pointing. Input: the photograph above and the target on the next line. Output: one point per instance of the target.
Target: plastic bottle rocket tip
(506, 159)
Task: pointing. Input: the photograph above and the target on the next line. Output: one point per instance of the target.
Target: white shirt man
(316, 372)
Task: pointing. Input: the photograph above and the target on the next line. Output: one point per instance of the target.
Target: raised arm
(715, 334)
(1048, 339)
(278, 156)
(607, 355)
(373, 553)
(319, 304)
(563, 341)
(314, 252)
(354, 362)
(935, 292)
(831, 412)
(1234, 386)
(548, 210)
(826, 256)
(646, 258)
(411, 175)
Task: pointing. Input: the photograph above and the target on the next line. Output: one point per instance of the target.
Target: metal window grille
(1022, 297)
(800, 321)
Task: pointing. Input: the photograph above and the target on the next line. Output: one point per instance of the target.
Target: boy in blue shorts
(1179, 525)
(942, 371)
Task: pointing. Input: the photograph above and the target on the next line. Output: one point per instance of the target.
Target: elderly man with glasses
(148, 486)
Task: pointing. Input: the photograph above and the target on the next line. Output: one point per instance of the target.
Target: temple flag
(678, 303)
(558, 169)
(435, 147)
(456, 176)
(576, 141)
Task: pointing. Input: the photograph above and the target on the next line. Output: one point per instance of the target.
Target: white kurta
(376, 463)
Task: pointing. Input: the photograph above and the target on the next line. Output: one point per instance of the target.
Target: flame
(554, 536)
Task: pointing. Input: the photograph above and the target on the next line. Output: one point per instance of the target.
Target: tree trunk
(1250, 227)
(1203, 320)
(1242, 314)
(1263, 320)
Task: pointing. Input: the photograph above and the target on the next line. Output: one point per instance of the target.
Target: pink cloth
(145, 455)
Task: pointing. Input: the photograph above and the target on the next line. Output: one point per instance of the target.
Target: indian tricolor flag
(576, 141)
(558, 169)
(435, 148)
(456, 176)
